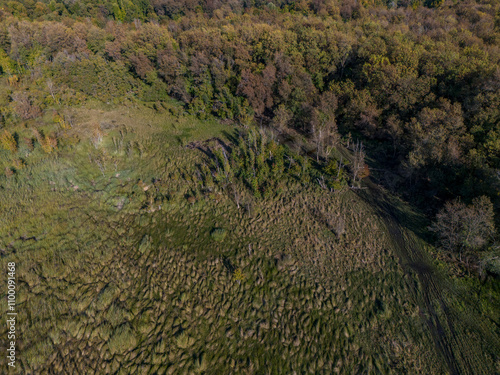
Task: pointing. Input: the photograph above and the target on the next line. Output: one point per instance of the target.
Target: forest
(333, 95)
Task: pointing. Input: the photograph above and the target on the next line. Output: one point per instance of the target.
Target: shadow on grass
(403, 213)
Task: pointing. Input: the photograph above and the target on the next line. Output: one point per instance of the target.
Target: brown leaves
(258, 88)
(168, 65)
(25, 105)
(141, 64)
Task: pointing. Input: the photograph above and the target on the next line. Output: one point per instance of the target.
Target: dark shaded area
(448, 326)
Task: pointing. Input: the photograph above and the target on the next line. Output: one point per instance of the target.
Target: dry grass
(123, 273)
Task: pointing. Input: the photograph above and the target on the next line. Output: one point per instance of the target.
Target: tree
(282, 118)
(325, 113)
(358, 163)
(24, 105)
(257, 88)
(437, 135)
(168, 65)
(141, 64)
(462, 227)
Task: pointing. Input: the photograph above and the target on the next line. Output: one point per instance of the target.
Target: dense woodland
(418, 82)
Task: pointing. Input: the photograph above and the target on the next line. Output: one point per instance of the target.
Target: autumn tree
(258, 88)
(25, 105)
(462, 227)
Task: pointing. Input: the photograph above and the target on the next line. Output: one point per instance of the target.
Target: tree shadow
(392, 207)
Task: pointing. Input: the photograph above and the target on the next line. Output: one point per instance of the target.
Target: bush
(218, 234)
(257, 161)
(336, 175)
(25, 105)
(48, 143)
(491, 263)
(8, 141)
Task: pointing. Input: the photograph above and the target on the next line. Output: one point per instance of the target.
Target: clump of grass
(105, 330)
(122, 340)
(115, 315)
(218, 234)
(185, 341)
(106, 297)
(38, 353)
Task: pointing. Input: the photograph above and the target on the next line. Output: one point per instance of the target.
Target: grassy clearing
(127, 262)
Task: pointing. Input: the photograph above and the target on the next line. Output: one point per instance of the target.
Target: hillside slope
(128, 262)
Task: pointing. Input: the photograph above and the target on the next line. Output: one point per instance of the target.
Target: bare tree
(24, 105)
(322, 182)
(237, 195)
(461, 227)
(318, 138)
(52, 90)
(358, 163)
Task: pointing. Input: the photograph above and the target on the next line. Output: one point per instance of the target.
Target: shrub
(94, 76)
(218, 234)
(48, 143)
(491, 263)
(257, 161)
(238, 275)
(61, 121)
(8, 141)
(336, 175)
(25, 106)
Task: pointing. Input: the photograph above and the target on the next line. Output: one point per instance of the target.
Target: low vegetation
(126, 271)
